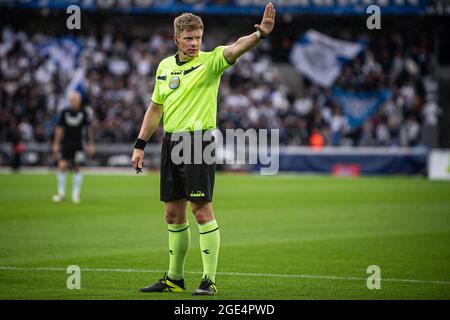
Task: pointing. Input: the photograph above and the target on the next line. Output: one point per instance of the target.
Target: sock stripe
(178, 230)
(210, 231)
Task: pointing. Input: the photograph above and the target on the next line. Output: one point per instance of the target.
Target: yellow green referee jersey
(188, 90)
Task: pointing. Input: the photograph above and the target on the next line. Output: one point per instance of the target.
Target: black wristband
(140, 144)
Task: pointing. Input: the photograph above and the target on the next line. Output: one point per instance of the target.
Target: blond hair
(187, 22)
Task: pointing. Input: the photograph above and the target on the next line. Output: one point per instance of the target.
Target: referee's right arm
(151, 120)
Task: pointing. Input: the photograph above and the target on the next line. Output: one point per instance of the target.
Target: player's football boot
(57, 198)
(206, 288)
(165, 285)
(76, 200)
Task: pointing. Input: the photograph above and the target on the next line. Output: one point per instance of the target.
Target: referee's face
(189, 43)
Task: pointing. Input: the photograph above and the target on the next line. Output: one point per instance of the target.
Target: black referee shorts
(194, 182)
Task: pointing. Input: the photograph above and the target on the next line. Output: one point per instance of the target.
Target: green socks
(179, 240)
(209, 246)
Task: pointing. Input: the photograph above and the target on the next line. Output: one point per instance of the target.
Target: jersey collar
(180, 63)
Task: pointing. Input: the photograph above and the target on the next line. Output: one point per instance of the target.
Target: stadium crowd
(118, 80)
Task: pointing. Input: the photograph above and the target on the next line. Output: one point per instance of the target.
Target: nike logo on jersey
(191, 69)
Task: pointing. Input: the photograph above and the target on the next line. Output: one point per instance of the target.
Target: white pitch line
(243, 274)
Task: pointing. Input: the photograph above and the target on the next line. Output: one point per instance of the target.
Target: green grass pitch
(283, 237)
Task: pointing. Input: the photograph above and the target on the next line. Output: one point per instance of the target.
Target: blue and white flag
(360, 106)
(320, 57)
(65, 53)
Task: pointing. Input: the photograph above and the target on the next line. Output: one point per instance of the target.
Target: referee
(185, 91)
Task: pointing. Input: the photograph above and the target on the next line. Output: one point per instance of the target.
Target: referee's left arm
(244, 44)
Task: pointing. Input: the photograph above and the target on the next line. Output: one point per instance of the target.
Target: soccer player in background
(185, 91)
(69, 131)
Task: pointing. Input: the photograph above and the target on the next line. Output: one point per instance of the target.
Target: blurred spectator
(17, 149)
(316, 140)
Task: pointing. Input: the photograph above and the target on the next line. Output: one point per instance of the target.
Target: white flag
(320, 57)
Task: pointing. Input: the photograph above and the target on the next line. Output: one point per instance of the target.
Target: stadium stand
(119, 77)
(114, 66)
